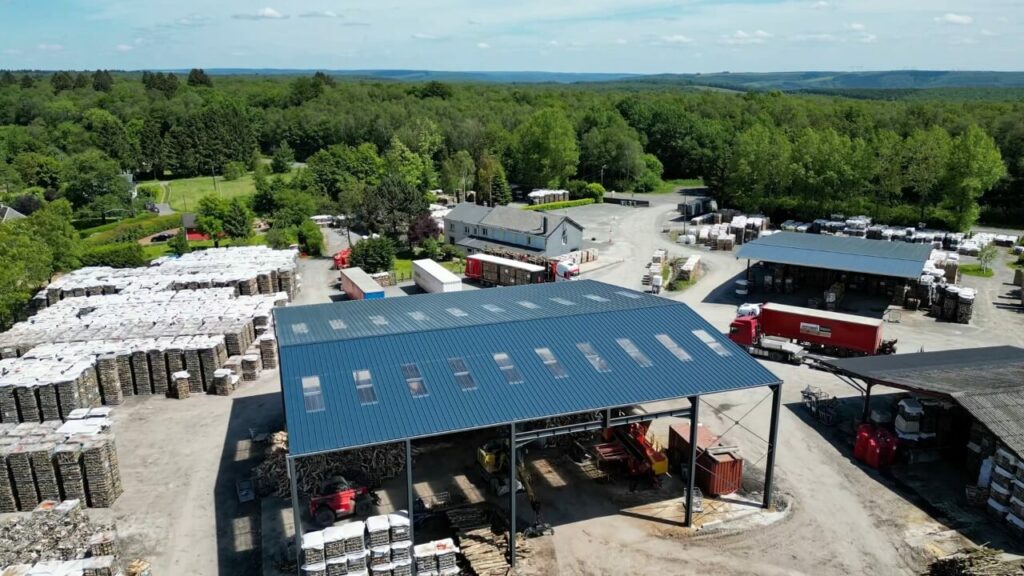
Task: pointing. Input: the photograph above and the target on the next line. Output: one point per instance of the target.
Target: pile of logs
(52, 532)
(369, 466)
(976, 562)
(484, 550)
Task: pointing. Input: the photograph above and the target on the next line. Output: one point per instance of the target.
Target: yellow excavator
(493, 460)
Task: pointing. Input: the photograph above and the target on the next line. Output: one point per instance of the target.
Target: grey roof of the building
(525, 221)
(846, 254)
(349, 369)
(987, 382)
(8, 213)
(477, 243)
(188, 220)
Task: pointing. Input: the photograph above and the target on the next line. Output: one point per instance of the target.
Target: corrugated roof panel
(858, 255)
(361, 318)
(397, 414)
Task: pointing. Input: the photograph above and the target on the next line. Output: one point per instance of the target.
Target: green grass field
(669, 186)
(183, 195)
(976, 270)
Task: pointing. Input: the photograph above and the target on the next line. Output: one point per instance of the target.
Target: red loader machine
(785, 333)
(339, 498)
(341, 259)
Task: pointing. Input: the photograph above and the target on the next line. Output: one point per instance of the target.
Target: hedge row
(559, 205)
(133, 230)
(124, 255)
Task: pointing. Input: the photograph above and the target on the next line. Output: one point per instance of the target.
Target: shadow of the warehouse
(238, 524)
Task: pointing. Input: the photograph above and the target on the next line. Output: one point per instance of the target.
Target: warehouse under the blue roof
(857, 255)
(369, 372)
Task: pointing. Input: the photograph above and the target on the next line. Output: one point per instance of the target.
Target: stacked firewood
(369, 466)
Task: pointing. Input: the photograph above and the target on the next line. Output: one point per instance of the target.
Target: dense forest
(375, 149)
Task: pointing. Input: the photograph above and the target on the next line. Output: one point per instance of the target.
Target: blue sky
(646, 36)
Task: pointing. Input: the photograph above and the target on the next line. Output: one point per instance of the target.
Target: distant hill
(819, 81)
(443, 76)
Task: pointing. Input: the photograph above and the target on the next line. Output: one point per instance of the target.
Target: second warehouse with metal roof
(843, 254)
(362, 373)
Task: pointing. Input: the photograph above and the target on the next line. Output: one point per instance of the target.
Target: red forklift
(339, 498)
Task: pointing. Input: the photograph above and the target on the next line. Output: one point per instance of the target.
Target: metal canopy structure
(362, 373)
(844, 254)
(987, 382)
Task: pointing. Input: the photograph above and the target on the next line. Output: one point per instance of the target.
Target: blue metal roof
(846, 254)
(327, 414)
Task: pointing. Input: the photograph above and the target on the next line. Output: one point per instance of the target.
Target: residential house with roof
(7, 213)
(474, 228)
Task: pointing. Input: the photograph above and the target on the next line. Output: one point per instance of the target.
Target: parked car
(162, 237)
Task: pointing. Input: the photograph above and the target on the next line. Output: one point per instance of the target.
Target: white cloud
(676, 39)
(820, 4)
(319, 14)
(951, 18)
(855, 26)
(483, 45)
(124, 47)
(12, 51)
(742, 37)
(50, 47)
(963, 41)
(190, 21)
(267, 13)
(987, 32)
(621, 41)
(553, 43)
(428, 37)
(868, 38)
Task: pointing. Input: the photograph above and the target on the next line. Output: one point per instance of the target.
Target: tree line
(71, 134)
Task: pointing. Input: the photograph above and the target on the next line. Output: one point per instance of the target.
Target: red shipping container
(717, 474)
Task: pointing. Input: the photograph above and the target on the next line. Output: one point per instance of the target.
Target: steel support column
(692, 475)
(293, 479)
(867, 403)
(512, 489)
(773, 440)
(410, 495)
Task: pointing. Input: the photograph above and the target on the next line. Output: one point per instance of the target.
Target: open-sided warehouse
(987, 387)
(359, 374)
(875, 266)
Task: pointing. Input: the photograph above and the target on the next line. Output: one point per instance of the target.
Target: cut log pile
(59, 536)
(485, 551)
(369, 466)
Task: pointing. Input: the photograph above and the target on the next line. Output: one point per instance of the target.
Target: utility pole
(603, 166)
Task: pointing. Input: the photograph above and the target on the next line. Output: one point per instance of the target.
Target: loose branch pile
(976, 562)
(365, 465)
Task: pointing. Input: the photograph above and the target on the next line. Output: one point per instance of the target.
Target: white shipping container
(434, 278)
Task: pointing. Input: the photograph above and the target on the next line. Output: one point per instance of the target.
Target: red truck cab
(744, 331)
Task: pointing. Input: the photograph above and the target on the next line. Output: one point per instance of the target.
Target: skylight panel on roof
(629, 348)
(596, 298)
(630, 295)
(563, 301)
(712, 343)
(418, 316)
(457, 312)
(364, 387)
(508, 369)
(674, 348)
(379, 320)
(414, 379)
(528, 304)
(300, 328)
(461, 372)
(553, 365)
(593, 357)
(337, 324)
(493, 308)
(312, 394)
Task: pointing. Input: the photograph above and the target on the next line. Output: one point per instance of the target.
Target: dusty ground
(180, 459)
